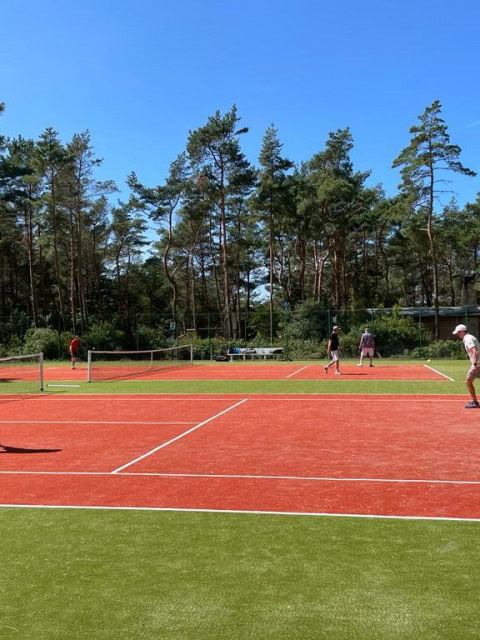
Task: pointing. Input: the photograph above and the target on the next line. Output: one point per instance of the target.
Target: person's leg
(472, 374)
(361, 359)
(371, 358)
(471, 388)
(336, 361)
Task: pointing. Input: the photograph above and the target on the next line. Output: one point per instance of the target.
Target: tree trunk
(224, 256)
(73, 309)
(271, 254)
(29, 234)
(433, 251)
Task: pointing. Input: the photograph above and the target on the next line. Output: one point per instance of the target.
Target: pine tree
(428, 154)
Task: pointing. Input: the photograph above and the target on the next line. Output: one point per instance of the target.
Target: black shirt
(334, 342)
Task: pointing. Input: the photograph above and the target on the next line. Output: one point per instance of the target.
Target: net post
(191, 354)
(151, 359)
(89, 366)
(40, 361)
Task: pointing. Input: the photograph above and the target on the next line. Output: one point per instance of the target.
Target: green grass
(104, 575)
(180, 576)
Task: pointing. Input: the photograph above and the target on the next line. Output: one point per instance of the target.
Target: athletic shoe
(325, 369)
(337, 373)
(472, 405)
(359, 365)
(370, 365)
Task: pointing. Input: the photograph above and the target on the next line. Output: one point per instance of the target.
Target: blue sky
(140, 74)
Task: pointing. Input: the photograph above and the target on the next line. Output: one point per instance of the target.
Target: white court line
(216, 397)
(240, 511)
(129, 474)
(439, 373)
(182, 435)
(298, 371)
(87, 422)
(353, 376)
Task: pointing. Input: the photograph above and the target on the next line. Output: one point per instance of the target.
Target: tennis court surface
(225, 371)
(404, 456)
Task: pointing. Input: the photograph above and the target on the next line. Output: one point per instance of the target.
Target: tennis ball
(428, 360)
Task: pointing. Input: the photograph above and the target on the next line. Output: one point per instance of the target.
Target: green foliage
(440, 349)
(260, 322)
(309, 321)
(47, 341)
(104, 336)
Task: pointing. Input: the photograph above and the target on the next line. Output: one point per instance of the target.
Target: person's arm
(328, 347)
(475, 356)
(360, 345)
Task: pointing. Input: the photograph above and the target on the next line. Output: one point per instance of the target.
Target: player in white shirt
(472, 347)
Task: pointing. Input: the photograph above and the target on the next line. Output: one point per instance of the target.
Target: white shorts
(473, 373)
(368, 351)
(334, 356)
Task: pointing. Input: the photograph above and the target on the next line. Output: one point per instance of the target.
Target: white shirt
(470, 343)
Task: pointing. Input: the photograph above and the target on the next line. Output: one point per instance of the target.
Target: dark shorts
(473, 373)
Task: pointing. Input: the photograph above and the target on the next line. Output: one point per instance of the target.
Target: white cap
(335, 328)
(459, 327)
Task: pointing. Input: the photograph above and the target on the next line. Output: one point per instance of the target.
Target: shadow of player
(6, 449)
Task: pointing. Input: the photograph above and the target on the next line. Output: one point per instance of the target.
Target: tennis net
(22, 374)
(137, 365)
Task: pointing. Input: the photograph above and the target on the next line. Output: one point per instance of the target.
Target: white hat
(335, 328)
(459, 327)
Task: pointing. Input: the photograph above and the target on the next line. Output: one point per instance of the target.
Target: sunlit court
(239, 320)
(137, 371)
(330, 455)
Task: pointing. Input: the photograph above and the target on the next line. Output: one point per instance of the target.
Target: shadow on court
(6, 449)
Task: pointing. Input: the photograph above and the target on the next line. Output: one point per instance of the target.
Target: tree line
(228, 229)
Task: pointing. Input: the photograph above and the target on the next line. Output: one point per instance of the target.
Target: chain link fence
(301, 332)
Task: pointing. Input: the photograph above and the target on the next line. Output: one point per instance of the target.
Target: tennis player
(332, 351)
(472, 347)
(367, 347)
(73, 349)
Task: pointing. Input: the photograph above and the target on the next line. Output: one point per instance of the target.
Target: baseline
(240, 512)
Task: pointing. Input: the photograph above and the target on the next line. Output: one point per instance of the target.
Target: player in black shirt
(332, 350)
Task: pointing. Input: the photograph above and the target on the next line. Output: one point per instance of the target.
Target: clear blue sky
(140, 73)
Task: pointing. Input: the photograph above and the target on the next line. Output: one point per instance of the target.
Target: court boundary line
(147, 474)
(439, 372)
(181, 435)
(277, 379)
(218, 396)
(372, 516)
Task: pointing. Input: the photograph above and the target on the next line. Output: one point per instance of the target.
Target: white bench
(261, 352)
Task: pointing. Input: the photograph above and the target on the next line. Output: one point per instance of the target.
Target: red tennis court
(411, 456)
(234, 371)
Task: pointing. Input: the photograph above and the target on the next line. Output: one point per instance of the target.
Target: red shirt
(74, 344)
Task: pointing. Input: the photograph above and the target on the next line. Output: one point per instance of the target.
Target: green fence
(302, 332)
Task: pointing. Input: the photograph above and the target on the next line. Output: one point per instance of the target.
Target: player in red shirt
(73, 349)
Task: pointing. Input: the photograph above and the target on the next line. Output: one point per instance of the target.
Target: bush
(47, 340)
(103, 336)
(440, 349)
